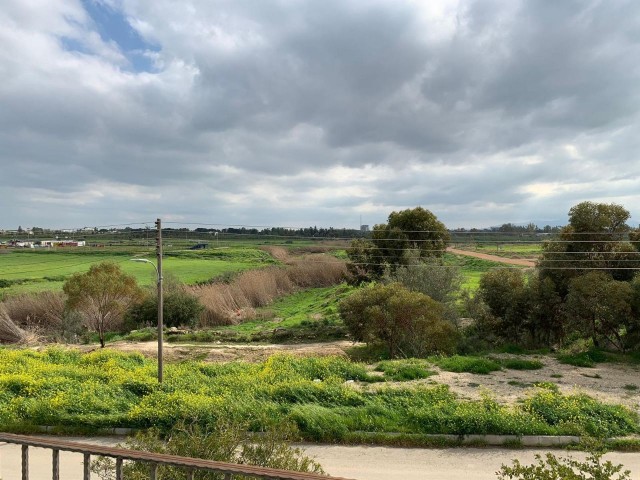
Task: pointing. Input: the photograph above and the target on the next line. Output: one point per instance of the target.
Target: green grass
(405, 370)
(307, 315)
(459, 364)
(67, 389)
(521, 364)
(32, 271)
(471, 268)
(583, 359)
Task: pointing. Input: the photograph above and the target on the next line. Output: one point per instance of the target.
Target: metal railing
(154, 460)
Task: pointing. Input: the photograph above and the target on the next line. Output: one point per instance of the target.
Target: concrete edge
(471, 439)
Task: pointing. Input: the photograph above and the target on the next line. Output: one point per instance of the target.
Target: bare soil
(494, 258)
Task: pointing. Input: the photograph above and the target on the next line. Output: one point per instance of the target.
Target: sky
(305, 112)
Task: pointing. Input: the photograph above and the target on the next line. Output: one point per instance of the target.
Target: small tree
(102, 295)
(505, 292)
(407, 323)
(412, 229)
(600, 308)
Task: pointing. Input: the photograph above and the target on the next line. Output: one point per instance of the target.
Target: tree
(102, 295)
(364, 262)
(600, 308)
(440, 282)
(505, 292)
(407, 323)
(412, 229)
(594, 239)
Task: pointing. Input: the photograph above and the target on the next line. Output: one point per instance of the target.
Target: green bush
(179, 309)
(409, 324)
(583, 359)
(222, 441)
(553, 468)
(521, 364)
(403, 370)
(478, 365)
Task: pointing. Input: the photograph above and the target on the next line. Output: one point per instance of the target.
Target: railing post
(191, 474)
(227, 476)
(153, 471)
(86, 467)
(25, 462)
(55, 462)
(118, 468)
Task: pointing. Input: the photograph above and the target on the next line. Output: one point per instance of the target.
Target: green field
(509, 250)
(30, 271)
(471, 268)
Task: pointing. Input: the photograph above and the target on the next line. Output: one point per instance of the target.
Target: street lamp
(159, 284)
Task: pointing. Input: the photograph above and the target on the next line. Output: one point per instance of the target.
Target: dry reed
(9, 331)
(228, 304)
(43, 310)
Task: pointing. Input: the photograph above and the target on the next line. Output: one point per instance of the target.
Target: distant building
(364, 228)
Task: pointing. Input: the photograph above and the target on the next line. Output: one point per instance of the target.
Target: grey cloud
(270, 96)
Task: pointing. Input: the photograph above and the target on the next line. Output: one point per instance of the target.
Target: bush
(586, 359)
(409, 324)
(478, 365)
(440, 282)
(223, 442)
(553, 468)
(179, 309)
(403, 370)
(521, 364)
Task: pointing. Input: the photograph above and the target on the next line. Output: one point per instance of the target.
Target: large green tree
(416, 229)
(596, 239)
(102, 295)
(601, 308)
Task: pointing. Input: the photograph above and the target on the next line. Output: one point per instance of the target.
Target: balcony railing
(154, 460)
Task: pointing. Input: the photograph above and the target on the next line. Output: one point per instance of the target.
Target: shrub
(179, 309)
(521, 364)
(478, 365)
(402, 370)
(223, 441)
(407, 323)
(583, 359)
(439, 282)
(554, 468)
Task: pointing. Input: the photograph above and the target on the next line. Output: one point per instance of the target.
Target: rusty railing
(191, 465)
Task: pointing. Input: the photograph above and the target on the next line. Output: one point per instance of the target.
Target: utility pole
(160, 300)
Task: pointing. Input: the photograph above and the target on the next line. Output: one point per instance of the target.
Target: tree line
(585, 288)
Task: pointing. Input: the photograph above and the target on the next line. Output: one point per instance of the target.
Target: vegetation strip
(328, 398)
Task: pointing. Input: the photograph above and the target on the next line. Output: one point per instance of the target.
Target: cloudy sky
(297, 113)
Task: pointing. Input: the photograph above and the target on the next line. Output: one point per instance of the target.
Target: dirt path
(357, 462)
(493, 258)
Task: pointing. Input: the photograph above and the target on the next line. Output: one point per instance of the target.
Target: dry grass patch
(232, 303)
(42, 311)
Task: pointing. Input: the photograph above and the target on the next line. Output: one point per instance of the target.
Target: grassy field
(46, 270)
(472, 268)
(509, 250)
(330, 399)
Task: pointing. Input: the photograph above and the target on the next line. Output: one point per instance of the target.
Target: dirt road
(362, 463)
(493, 258)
